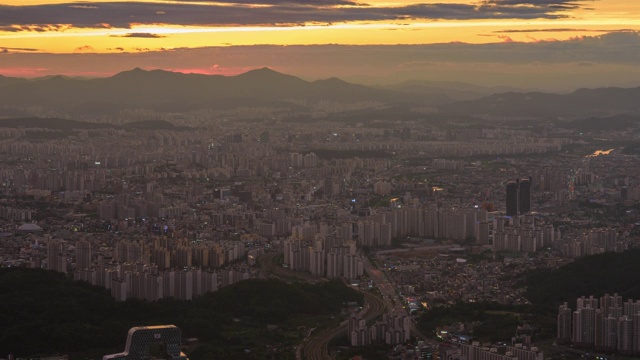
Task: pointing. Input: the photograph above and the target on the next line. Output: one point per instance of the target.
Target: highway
(317, 347)
(392, 300)
(380, 280)
(268, 266)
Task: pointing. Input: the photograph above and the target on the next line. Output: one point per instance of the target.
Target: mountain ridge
(167, 91)
(164, 89)
(581, 102)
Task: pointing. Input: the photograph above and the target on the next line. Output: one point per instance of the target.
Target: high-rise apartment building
(56, 256)
(474, 351)
(83, 255)
(605, 324)
(564, 323)
(512, 198)
(518, 197)
(524, 196)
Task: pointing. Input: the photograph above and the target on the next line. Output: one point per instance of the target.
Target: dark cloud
(511, 31)
(10, 28)
(7, 49)
(540, 5)
(31, 27)
(283, 2)
(84, 48)
(281, 13)
(141, 35)
(622, 40)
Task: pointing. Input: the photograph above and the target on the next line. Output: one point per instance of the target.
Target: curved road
(267, 264)
(317, 347)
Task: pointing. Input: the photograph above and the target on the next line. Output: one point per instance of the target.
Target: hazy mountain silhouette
(68, 124)
(448, 91)
(167, 91)
(51, 123)
(580, 103)
(609, 123)
(5, 81)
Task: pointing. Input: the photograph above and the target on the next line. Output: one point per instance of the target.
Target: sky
(526, 43)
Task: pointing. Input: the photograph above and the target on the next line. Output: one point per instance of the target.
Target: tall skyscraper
(564, 323)
(512, 198)
(524, 196)
(625, 335)
(519, 197)
(584, 326)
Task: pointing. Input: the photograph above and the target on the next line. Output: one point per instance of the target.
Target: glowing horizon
(458, 21)
(97, 27)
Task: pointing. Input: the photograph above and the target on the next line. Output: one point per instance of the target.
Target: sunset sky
(99, 38)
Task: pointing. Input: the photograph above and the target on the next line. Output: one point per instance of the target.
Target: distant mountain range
(171, 91)
(166, 91)
(67, 124)
(448, 91)
(580, 103)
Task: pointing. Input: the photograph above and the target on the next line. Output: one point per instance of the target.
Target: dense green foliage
(43, 312)
(490, 320)
(590, 275)
(546, 289)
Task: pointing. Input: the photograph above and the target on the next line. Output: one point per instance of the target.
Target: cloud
(10, 49)
(277, 12)
(84, 48)
(513, 31)
(541, 6)
(21, 71)
(10, 28)
(550, 4)
(35, 28)
(141, 35)
(285, 2)
(619, 38)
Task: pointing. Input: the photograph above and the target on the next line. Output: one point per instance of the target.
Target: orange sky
(597, 16)
(94, 27)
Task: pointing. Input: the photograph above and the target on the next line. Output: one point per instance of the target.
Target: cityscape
(238, 201)
(319, 179)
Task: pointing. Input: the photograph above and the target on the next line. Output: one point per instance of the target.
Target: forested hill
(68, 124)
(44, 313)
(590, 275)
